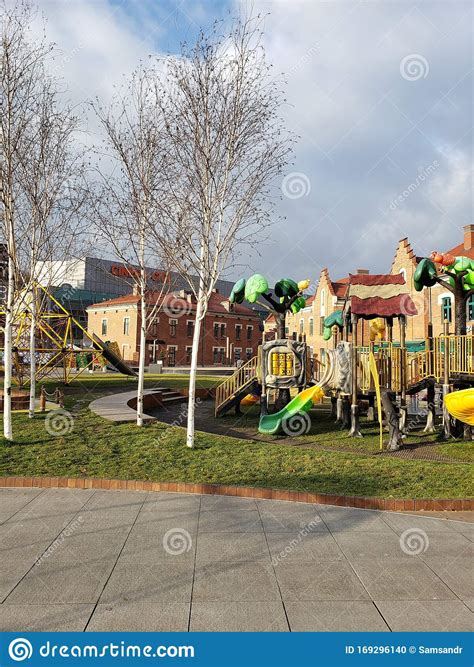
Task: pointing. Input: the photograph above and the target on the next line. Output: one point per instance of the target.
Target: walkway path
(116, 560)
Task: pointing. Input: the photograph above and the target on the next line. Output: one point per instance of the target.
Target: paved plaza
(118, 560)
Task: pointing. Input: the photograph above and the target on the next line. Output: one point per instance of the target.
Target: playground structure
(384, 372)
(57, 354)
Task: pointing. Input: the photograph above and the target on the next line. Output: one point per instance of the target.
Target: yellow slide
(460, 404)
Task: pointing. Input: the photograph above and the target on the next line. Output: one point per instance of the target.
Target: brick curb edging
(390, 504)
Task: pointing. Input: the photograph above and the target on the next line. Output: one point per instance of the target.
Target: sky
(379, 93)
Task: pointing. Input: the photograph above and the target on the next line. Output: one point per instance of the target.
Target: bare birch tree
(51, 173)
(226, 145)
(126, 194)
(21, 68)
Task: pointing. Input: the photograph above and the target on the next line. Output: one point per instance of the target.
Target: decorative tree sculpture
(456, 274)
(286, 296)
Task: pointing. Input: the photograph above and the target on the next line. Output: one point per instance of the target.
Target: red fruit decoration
(444, 259)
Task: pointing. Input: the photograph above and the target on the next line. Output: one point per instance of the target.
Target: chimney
(362, 272)
(468, 237)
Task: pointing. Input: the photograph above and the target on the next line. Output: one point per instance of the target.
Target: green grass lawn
(97, 448)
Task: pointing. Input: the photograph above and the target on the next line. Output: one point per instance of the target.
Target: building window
(322, 311)
(218, 355)
(126, 326)
(104, 328)
(311, 326)
(189, 351)
(189, 328)
(249, 332)
(216, 329)
(301, 326)
(446, 309)
(237, 354)
(470, 308)
(154, 327)
(172, 355)
(321, 325)
(222, 330)
(404, 274)
(238, 332)
(173, 325)
(248, 353)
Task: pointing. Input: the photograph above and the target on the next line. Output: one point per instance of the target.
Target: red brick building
(230, 331)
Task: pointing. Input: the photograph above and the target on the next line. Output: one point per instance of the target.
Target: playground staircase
(236, 386)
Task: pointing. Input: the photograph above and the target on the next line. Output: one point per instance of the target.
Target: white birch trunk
(141, 361)
(8, 351)
(193, 370)
(31, 410)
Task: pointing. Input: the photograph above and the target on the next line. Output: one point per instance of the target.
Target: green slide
(302, 402)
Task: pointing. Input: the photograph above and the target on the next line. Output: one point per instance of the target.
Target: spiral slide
(460, 404)
(302, 402)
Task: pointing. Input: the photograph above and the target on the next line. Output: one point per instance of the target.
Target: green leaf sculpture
(238, 292)
(255, 286)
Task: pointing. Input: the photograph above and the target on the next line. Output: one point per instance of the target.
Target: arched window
(404, 274)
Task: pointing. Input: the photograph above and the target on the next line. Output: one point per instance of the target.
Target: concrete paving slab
(469, 604)
(402, 522)
(358, 544)
(326, 580)
(15, 563)
(218, 503)
(140, 617)
(69, 582)
(342, 519)
(218, 547)
(456, 545)
(285, 520)
(44, 617)
(230, 521)
(400, 579)
(334, 616)
(105, 544)
(466, 529)
(238, 617)
(145, 547)
(154, 582)
(308, 547)
(235, 581)
(171, 502)
(13, 500)
(456, 572)
(427, 616)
